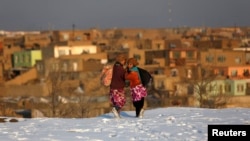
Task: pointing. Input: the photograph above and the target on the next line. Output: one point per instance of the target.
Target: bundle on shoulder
(145, 76)
(106, 75)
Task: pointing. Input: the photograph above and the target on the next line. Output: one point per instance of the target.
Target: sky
(103, 14)
(160, 124)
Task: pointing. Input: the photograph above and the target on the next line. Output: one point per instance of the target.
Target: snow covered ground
(171, 124)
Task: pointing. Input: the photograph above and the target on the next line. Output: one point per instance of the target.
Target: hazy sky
(62, 14)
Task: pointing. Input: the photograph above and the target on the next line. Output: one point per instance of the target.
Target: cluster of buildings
(170, 54)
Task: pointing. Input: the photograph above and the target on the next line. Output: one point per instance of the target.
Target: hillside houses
(169, 54)
(64, 66)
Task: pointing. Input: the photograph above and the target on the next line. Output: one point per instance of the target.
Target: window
(158, 45)
(78, 38)
(161, 84)
(238, 60)
(177, 54)
(209, 58)
(172, 45)
(137, 56)
(248, 85)
(65, 67)
(246, 72)
(227, 88)
(221, 58)
(27, 59)
(20, 58)
(220, 89)
(55, 67)
(234, 73)
(174, 72)
(16, 58)
(190, 54)
(65, 37)
(221, 72)
(38, 67)
(189, 73)
(74, 66)
(61, 52)
(85, 51)
(240, 88)
(24, 58)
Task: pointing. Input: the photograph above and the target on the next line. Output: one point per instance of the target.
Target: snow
(172, 123)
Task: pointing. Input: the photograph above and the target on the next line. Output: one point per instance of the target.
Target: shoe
(141, 113)
(116, 114)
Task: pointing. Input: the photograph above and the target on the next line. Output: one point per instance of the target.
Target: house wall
(24, 78)
(183, 59)
(25, 90)
(21, 59)
(229, 71)
(158, 44)
(171, 82)
(180, 90)
(238, 101)
(74, 50)
(159, 81)
(202, 44)
(26, 58)
(160, 61)
(176, 43)
(40, 39)
(166, 83)
(126, 43)
(138, 33)
(12, 41)
(134, 52)
(156, 57)
(92, 66)
(35, 55)
(48, 52)
(240, 70)
(230, 58)
(45, 66)
(71, 64)
(231, 43)
(77, 35)
(40, 67)
(1, 70)
(96, 56)
(239, 87)
(7, 54)
(91, 49)
(217, 87)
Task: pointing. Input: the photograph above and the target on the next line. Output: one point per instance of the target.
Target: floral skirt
(138, 92)
(117, 97)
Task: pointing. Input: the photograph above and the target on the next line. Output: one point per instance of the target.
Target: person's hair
(120, 57)
(133, 61)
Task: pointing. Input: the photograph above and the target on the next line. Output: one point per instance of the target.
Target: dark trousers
(138, 106)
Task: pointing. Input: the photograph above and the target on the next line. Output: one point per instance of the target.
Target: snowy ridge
(174, 124)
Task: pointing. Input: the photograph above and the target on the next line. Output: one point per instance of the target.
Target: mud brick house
(26, 58)
(37, 41)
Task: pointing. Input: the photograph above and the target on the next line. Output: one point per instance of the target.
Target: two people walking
(120, 75)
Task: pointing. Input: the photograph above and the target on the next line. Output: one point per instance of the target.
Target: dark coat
(118, 77)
